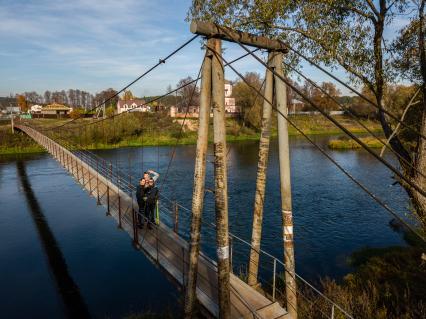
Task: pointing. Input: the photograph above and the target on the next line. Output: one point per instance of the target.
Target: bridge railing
(312, 303)
(271, 281)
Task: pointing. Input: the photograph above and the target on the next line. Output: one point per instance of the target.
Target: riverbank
(387, 283)
(349, 144)
(136, 130)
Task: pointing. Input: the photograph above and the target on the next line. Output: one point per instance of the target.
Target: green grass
(137, 129)
(17, 143)
(349, 144)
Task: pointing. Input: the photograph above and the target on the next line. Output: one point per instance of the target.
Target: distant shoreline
(167, 136)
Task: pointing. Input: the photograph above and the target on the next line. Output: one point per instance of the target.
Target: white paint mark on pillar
(223, 252)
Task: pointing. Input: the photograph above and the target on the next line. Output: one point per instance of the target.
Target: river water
(60, 255)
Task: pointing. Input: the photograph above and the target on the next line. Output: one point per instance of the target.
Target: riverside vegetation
(345, 144)
(148, 129)
(385, 283)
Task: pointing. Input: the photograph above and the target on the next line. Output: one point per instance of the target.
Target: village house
(230, 108)
(134, 105)
(58, 110)
(13, 109)
(296, 106)
(35, 109)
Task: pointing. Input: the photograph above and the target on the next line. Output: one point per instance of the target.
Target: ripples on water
(332, 218)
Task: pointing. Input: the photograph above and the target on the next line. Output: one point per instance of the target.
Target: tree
(411, 62)
(47, 97)
(324, 101)
(248, 100)
(337, 33)
(190, 94)
(76, 113)
(362, 108)
(33, 97)
(110, 111)
(109, 95)
(128, 95)
(22, 102)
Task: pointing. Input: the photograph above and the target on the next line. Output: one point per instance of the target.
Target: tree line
(75, 98)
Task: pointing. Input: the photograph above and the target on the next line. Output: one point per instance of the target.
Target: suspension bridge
(272, 287)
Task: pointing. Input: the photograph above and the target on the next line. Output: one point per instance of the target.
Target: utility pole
(221, 180)
(285, 187)
(262, 167)
(199, 181)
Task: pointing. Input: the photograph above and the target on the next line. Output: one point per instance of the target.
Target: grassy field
(349, 144)
(137, 129)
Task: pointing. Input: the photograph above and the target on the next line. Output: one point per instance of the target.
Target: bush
(76, 113)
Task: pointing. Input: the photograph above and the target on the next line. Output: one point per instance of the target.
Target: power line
(359, 184)
(335, 122)
(160, 61)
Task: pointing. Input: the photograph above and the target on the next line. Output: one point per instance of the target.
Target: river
(60, 254)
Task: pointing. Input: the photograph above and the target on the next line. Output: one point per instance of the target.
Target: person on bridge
(154, 174)
(152, 203)
(141, 197)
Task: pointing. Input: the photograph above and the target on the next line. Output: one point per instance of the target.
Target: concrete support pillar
(262, 167)
(199, 182)
(286, 201)
(221, 180)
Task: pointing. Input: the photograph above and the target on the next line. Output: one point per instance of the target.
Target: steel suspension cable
(166, 94)
(341, 106)
(213, 226)
(181, 128)
(160, 61)
(335, 122)
(358, 183)
(310, 61)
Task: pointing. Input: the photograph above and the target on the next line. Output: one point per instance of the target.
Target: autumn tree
(410, 61)
(22, 102)
(325, 98)
(127, 95)
(360, 107)
(110, 111)
(336, 33)
(76, 113)
(249, 100)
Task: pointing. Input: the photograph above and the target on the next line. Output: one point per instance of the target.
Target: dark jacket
(141, 193)
(152, 195)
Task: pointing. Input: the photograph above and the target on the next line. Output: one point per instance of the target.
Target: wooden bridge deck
(161, 245)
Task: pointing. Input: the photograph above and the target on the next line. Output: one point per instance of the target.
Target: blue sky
(93, 45)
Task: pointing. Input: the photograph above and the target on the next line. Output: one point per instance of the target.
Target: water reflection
(73, 302)
(332, 216)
